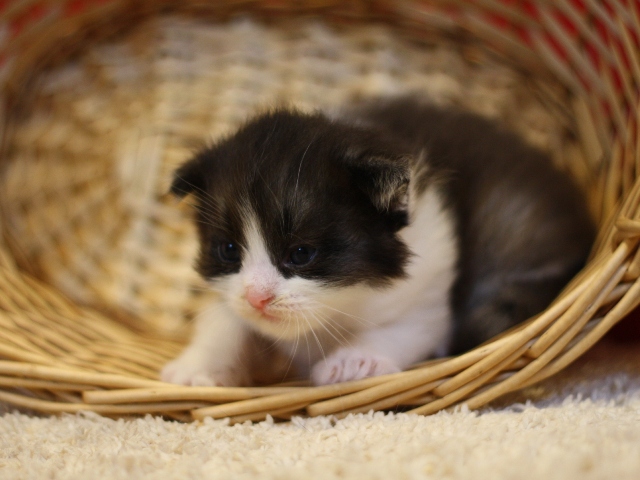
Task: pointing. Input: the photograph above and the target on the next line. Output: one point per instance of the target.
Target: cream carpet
(584, 424)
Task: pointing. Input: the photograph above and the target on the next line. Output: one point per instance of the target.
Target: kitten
(363, 244)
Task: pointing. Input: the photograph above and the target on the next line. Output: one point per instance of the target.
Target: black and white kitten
(362, 245)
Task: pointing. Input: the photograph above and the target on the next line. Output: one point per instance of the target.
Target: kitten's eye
(229, 252)
(302, 255)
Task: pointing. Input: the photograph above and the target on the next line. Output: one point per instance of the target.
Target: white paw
(351, 364)
(192, 369)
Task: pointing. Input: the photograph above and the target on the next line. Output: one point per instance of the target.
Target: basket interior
(84, 194)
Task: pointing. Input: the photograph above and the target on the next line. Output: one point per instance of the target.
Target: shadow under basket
(89, 311)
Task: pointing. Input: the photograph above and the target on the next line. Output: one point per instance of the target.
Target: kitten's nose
(259, 299)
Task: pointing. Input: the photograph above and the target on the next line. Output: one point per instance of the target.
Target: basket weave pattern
(81, 230)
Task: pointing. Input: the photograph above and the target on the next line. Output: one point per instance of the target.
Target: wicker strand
(588, 303)
(276, 402)
(416, 394)
(522, 376)
(26, 370)
(462, 392)
(70, 407)
(207, 394)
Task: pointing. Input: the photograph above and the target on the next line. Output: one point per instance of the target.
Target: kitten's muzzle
(259, 299)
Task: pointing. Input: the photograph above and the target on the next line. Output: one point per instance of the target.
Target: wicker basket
(72, 339)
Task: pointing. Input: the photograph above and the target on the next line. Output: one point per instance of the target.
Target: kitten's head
(291, 210)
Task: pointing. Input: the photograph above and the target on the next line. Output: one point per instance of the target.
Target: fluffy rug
(584, 424)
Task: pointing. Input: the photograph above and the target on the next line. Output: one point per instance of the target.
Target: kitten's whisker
(268, 348)
(335, 324)
(278, 204)
(363, 321)
(278, 301)
(206, 215)
(209, 223)
(306, 340)
(275, 342)
(326, 328)
(342, 312)
(210, 214)
(295, 191)
(259, 164)
(210, 220)
(266, 142)
(207, 206)
(295, 347)
(360, 320)
(211, 201)
(315, 336)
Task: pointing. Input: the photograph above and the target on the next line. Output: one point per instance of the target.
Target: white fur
(214, 356)
(334, 334)
(411, 320)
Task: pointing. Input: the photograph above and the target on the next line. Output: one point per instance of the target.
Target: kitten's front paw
(351, 364)
(192, 370)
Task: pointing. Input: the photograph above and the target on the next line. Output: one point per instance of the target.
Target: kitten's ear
(188, 178)
(382, 175)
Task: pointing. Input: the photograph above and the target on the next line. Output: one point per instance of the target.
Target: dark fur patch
(309, 181)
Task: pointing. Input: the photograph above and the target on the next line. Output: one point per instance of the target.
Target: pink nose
(259, 300)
